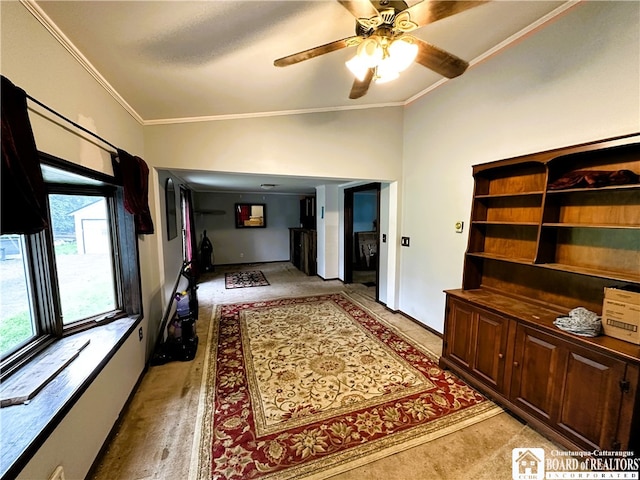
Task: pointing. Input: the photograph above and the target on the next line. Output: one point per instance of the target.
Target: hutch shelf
(535, 252)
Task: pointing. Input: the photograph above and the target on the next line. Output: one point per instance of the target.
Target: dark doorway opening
(362, 232)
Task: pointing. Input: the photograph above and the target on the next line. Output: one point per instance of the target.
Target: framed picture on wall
(251, 215)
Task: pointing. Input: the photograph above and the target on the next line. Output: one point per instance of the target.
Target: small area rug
(254, 278)
(313, 386)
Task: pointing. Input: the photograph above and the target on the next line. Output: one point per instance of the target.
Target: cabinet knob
(500, 356)
(516, 364)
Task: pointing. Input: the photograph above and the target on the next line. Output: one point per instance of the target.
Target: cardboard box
(621, 295)
(621, 320)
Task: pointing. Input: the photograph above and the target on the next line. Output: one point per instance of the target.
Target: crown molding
(34, 9)
(239, 116)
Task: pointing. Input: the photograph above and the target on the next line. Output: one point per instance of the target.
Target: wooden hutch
(535, 253)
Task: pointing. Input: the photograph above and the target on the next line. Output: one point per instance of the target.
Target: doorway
(362, 232)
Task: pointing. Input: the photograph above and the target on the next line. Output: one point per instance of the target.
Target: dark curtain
(133, 172)
(23, 202)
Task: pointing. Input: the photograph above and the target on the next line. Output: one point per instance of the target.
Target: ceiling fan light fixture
(357, 67)
(389, 57)
(370, 51)
(386, 72)
(402, 52)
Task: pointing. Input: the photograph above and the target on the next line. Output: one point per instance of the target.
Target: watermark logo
(527, 463)
(530, 464)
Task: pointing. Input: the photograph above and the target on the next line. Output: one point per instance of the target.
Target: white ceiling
(176, 61)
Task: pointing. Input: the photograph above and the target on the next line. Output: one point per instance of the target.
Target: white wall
(78, 438)
(390, 220)
(233, 245)
(383, 229)
(346, 144)
(169, 251)
(577, 80)
(363, 145)
(328, 231)
(321, 232)
(32, 60)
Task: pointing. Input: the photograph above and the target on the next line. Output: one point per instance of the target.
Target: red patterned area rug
(313, 386)
(254, 278)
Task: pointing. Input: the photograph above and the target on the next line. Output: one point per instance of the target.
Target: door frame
(349, 237)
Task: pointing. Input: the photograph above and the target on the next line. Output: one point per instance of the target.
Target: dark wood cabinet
(459, 337)
(537, 362)
(477, 341)
(491, 349)
(308, 213)
(303, 249)
(535, 252)
(575, 389)
(590, 391)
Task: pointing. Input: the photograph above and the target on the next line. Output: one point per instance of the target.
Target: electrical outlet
(140, 335)
(384, 238)
(404, 241)
(459, 226)
(242, 255)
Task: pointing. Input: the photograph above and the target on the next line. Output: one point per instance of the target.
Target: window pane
(16, 318)
(82, 244)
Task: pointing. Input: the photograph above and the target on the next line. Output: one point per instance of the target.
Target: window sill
(26, 427)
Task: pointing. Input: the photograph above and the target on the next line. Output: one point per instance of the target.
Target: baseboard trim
(329, 279)
(419, 323)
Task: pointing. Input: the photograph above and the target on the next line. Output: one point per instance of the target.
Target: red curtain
(244, 213)
(133, 172)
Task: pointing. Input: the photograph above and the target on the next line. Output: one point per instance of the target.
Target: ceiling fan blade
(359, 8)
(314, 52)
(439, 61)
(360, 87)
(427, 11)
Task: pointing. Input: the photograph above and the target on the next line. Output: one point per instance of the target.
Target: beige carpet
(155, 434)
(307, 386)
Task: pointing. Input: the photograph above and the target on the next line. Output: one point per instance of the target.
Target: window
(83, 255)
(80, 272)
(17, 325)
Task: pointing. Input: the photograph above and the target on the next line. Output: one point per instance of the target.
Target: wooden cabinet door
(575, 390)
(537, 362)
(458, 335)
(590, 398)
(490, 343)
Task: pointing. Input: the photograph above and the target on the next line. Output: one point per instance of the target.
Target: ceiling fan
(384, 48)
